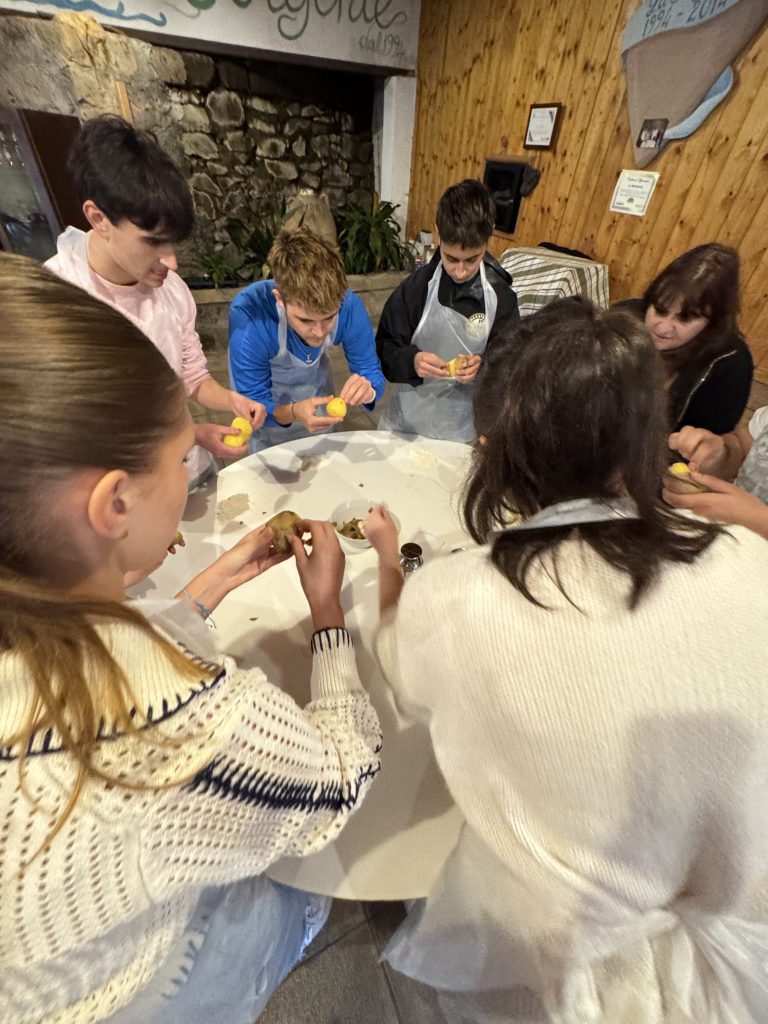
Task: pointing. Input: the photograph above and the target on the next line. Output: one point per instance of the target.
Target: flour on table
(232, 507)
(314, 461)
(422, 457)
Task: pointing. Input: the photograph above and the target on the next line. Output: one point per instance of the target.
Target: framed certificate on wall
(543, 125)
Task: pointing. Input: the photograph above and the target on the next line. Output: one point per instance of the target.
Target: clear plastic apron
(441, 407)
(292, 380)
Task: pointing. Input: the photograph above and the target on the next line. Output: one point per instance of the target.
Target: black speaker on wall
(503, 178)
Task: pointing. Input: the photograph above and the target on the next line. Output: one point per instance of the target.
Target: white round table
(395, 845)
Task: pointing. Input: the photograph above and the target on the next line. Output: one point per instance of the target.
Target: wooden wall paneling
(735, 145)
(754, 316)
(482, 64)
(677, 166)
(554, 86)
(754, 277)
(535, 35)
(681, 167)
(746, 162)
(496, 131)
(479, 82)
(593, 184)
(433, 42)
(580, 96)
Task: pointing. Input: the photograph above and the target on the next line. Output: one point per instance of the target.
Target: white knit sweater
(89, 921)
(612, 768)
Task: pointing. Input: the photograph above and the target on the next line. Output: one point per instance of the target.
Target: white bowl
(356, 508)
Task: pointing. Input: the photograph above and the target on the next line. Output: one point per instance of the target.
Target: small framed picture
(543, 124)
(651, 133)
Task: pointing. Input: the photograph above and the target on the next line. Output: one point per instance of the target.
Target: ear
(99, 221)
(435, 236)
(278, 298)
(109, 505)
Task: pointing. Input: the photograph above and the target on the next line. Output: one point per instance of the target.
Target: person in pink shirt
(139, 206)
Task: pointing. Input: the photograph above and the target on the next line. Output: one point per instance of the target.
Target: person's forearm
(213, 395)
(733, 458)
(206, 591)
(284, 414)
(329, 616)
(390, 585)
(757, 521)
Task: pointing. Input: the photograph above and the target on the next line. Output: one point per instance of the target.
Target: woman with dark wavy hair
(593, 678)
(691, 311)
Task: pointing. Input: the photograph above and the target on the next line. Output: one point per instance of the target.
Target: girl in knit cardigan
(145, 781)
(593, 679)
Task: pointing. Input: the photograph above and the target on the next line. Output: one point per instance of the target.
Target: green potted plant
(218, 272)
(369, 238)
(255, 240)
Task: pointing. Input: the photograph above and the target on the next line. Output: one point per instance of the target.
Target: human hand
(381, 531)
(305, 412)
(249, 409)
(427, 364)
(357, 390)
(210, 435)
(321, 572)
(722, 503)
(379, 528)
(470, 369)
(706, 451)
(251, 556)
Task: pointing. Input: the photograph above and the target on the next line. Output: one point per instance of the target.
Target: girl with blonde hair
(145, 781)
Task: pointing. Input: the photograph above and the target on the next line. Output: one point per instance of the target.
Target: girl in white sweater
(594, 684)
(145, 783)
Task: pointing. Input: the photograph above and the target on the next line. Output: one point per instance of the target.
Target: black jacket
(712, 395)
(402, 313)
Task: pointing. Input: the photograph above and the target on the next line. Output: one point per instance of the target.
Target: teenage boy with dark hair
(139, 206)
(450, 308)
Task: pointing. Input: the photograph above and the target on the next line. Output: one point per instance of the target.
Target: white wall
(394, 112)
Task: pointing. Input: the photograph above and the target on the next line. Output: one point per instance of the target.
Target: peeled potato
(282, 526)
(235, 440)
(456, 364)
(337, 407)
(677, 479)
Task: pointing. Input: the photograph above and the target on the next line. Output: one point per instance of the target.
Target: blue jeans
(242, 941)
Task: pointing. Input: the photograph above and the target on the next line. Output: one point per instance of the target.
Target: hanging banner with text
(379, 33)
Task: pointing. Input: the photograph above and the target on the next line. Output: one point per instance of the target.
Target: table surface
(395, 845)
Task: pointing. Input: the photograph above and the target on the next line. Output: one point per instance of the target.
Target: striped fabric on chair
(540, 276)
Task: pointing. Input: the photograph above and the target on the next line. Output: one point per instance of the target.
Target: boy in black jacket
(437, 323)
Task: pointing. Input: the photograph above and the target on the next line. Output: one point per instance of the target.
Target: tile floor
(341, 980)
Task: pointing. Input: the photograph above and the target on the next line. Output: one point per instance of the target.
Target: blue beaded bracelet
(199, 606)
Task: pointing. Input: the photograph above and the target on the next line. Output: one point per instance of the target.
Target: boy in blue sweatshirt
(279, 334)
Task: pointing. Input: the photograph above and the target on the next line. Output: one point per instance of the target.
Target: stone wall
(213, 304)
(244, 131)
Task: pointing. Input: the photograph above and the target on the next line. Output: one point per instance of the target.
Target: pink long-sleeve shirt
(166, 315)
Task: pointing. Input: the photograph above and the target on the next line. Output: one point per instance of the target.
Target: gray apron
(292, 380)
(441, 407)
(580, 510)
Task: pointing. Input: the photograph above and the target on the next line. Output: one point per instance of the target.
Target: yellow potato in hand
(456, 364)
(677, 479)
(337, 407)
(235, 440)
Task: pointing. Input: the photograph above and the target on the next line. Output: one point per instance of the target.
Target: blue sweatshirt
(253, 343)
